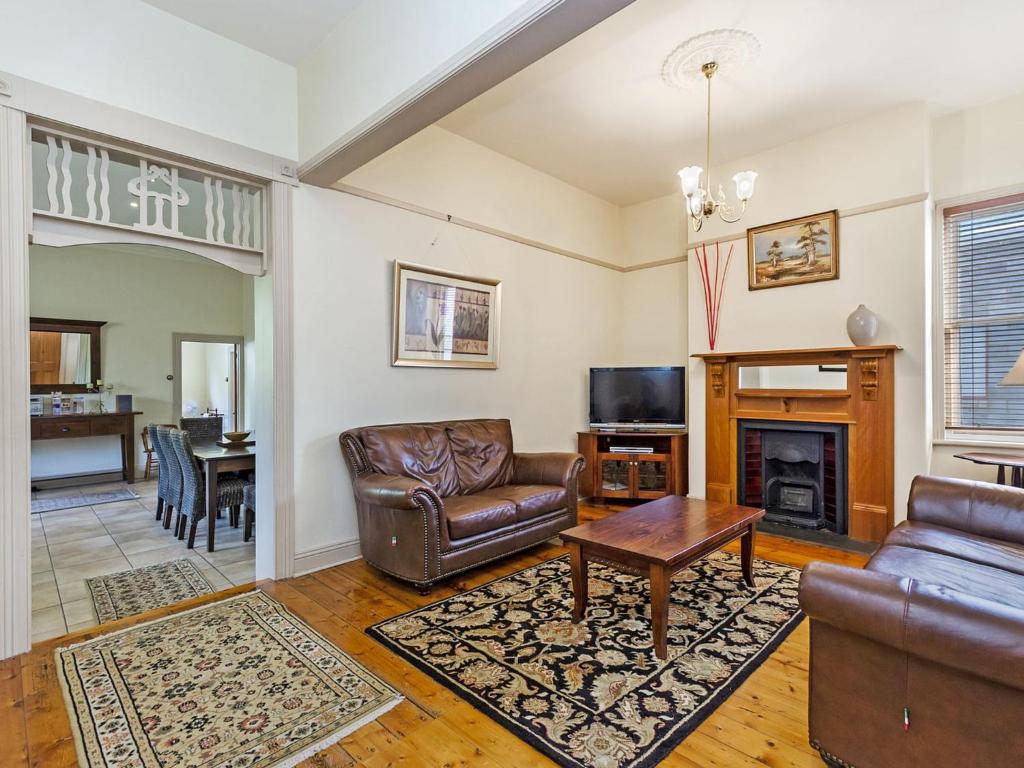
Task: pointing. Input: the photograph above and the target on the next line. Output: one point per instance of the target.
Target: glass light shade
(696, 203)
(745, 184)
(689, 178)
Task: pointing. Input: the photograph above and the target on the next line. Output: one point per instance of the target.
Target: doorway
(207, 378)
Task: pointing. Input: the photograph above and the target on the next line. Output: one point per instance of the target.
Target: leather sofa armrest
(984, 509)
(954, 629)
(393, 491)
(546, 468)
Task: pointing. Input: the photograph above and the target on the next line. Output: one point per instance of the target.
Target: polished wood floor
(763, 724)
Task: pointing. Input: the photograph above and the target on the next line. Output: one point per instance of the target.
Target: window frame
(943, 435)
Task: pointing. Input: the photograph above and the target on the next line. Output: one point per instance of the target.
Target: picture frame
(793, 252)
(444, 319)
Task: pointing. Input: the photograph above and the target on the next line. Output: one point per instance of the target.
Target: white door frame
(209, 338)
(21, 99)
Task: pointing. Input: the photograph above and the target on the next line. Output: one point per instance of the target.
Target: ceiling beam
(449, 90)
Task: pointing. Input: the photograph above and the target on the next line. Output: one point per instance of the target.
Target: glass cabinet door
(615, 476)
(652, 478)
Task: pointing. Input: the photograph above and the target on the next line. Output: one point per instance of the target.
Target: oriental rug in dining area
(238, 682)
(127, 593)
(594, 694)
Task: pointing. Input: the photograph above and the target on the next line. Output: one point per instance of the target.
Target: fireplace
(797, 471)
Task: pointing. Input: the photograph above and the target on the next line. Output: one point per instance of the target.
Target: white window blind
(983, 313)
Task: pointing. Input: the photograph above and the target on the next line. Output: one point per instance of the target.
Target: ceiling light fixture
(701, 202)
(710, 50)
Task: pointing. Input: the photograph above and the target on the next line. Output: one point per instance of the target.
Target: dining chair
(170, 471)
(249, 505)
(203, 429)
(151, 445)
(193, 493)
(149, 449)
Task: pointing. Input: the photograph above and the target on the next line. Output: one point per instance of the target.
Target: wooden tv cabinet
(612, 475)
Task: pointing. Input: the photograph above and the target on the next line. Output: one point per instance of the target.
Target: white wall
(377, 52)
(559, 316)
(144, 300)
(439, 170)
(654, 230)
(884, 263)
(654, 316)
(131, 55)
(978, 150)
(195, 387)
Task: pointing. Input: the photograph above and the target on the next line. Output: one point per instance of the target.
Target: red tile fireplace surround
(864, 410)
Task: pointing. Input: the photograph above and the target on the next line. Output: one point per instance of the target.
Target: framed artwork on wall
(444, 319)
(804, 250)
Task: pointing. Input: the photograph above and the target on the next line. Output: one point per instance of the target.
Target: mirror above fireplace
(832, 376)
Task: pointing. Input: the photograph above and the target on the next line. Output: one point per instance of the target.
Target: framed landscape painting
(804, 250)
(444, 319)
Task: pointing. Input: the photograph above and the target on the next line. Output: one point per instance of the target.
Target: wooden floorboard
(764, 723)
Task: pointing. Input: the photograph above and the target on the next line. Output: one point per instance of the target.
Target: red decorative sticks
(714, 286)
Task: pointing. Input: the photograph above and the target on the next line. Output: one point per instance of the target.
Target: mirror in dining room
(64, 355)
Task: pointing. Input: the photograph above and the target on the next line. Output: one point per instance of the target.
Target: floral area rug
(239, 682)
(127, 593)
(593, 693)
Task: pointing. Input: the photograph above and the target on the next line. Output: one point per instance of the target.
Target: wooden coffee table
(658, 539)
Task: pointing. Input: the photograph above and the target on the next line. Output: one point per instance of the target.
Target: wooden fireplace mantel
(866, 406)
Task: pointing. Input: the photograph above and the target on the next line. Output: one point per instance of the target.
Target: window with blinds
(983, 313)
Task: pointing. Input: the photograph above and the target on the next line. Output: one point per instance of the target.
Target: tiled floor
(72, 545)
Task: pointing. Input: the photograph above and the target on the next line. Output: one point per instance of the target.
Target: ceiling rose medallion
(697, 59)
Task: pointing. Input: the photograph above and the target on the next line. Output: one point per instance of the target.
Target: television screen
(637, 396)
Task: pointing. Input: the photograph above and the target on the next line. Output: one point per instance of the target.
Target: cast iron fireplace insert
(796, 470)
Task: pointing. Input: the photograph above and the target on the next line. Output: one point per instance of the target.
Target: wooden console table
(93, 425)
(866, 405)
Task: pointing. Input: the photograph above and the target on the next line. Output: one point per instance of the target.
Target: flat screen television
(637, 397)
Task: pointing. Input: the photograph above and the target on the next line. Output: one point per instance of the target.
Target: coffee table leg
(747, 552)
(579, 582)
(660, 587)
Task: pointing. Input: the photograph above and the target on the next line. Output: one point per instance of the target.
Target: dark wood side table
(215, 460)
(1011, 459)
(70, 425)
(658, 539)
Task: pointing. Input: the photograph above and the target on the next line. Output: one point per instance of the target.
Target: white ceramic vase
(862, 326)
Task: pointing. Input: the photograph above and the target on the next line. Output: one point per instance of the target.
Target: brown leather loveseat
(918, 660)
(437, 498)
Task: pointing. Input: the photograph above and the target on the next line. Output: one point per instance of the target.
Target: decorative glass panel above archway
(89, 191)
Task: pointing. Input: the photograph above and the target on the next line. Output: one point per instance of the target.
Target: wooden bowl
(236, 437)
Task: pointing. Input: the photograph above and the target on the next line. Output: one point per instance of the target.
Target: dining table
(214, 460)
(1000, 459)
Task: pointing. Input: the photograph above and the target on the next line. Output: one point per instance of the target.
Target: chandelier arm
(730, 219)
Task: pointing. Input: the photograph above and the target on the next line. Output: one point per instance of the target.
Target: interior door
(44, 351)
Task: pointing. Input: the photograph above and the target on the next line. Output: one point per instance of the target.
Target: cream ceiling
(596, 114)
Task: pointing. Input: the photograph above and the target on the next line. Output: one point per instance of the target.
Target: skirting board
(325, 557)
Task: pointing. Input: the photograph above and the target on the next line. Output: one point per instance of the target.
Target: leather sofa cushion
(530, 500)
(482, 451)
(421, 451)
(950, 572)
(1004, 555)
(471, 515)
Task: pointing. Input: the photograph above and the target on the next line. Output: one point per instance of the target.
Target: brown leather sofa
(438, 498)
(933, 624)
